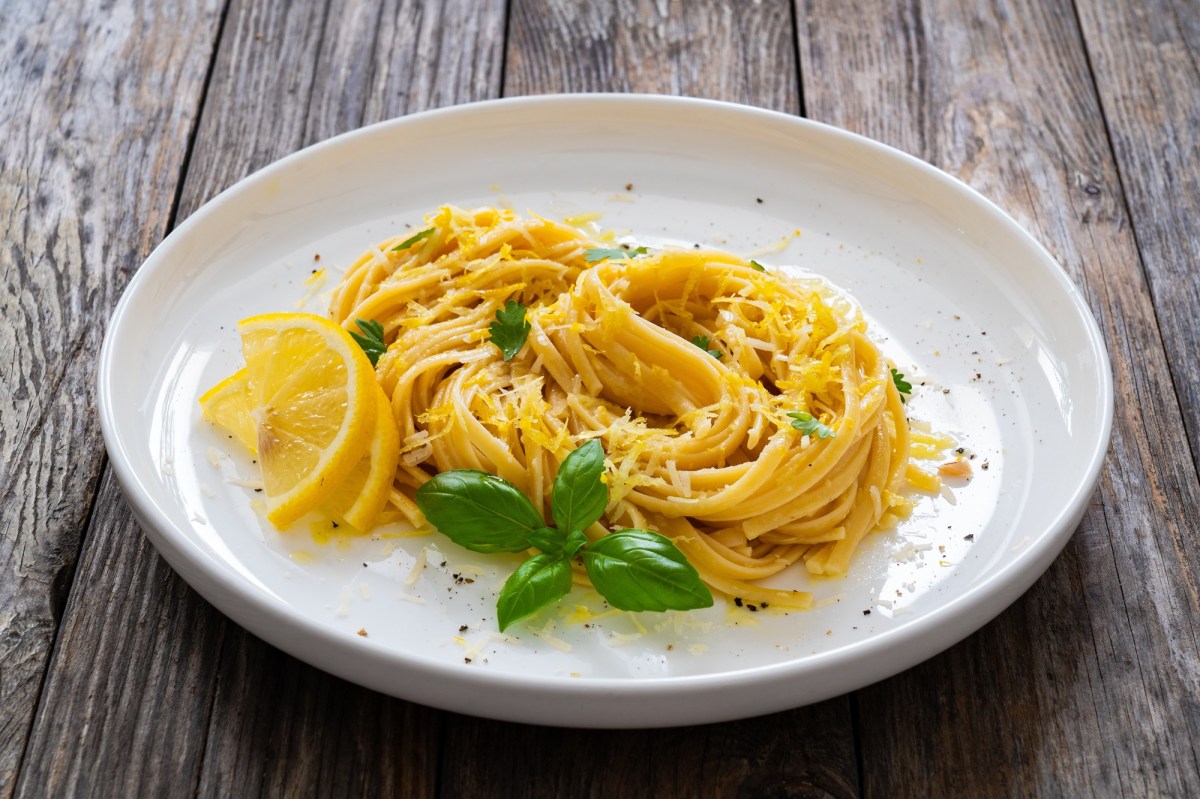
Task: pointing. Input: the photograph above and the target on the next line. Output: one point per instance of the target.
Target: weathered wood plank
(144, 665)
(1088, 685)
(800, 753)
(279, 727)
(121, 718)
(1145, 59)
(721, 51)
(95, 110)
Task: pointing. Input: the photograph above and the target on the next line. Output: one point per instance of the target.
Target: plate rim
(277, 623)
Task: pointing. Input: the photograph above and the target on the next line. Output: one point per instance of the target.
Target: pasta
(685, 363)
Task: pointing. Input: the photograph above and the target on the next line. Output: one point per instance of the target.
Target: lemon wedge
(360, 498)
(227, 405)
(312, 397)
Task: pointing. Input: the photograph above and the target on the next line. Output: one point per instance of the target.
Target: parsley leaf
(702, 343)
(510, 329)
(757, 266)
(902, 385)
(612, 254)
(371, 339)
(411, 240)
(809, 425)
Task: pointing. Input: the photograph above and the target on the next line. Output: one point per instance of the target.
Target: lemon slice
(312, 397)
(227, 405)
(360, 498)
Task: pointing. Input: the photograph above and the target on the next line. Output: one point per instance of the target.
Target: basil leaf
(479, 511)
(575, 542)
(540, 581)
(579, 493)
(641, 570)
(548, 539)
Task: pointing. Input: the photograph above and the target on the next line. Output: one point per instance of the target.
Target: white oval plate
(1005, 354)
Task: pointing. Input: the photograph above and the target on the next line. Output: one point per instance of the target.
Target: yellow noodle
(698, 448)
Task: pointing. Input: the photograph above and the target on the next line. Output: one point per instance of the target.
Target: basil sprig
(632, 569)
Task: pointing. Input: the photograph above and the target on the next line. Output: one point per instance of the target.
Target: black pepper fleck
(737, 600)
(866, 613)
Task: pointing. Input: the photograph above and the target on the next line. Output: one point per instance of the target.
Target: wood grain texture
(126, 700)
(279, 727)
(1087, 685)
(283, 82)
(95, 111)
(152, 692)
(1145, 59)
(798, 754)
(739, 52)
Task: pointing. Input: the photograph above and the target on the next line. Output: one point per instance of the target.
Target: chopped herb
(595, 254)
(411, 240)
(902, 385)
(809, 425)
(757, 266)
(371, 339)
(702, 343)
(510, 329)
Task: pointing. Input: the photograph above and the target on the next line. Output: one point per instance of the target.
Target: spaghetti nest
(685, 363)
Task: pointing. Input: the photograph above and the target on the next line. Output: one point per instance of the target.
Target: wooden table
(119, 119)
